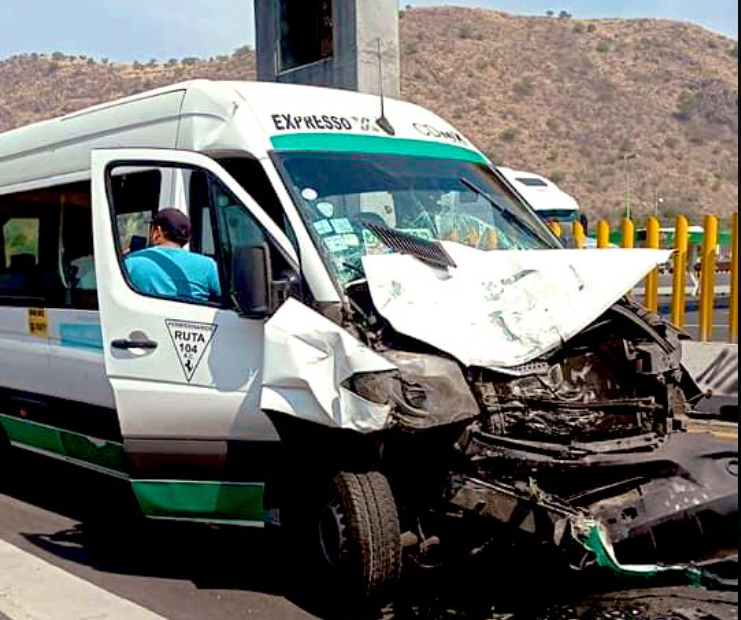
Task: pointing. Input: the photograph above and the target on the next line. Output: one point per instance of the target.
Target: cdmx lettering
(440, 134)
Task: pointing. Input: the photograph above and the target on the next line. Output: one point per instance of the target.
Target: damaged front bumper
(671, 508)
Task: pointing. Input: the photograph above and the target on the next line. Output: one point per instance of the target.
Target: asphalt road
(199, 573)
(721, 331)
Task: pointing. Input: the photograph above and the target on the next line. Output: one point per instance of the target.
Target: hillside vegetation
(568, 98)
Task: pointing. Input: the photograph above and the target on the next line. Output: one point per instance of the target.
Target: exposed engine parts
(581, 449)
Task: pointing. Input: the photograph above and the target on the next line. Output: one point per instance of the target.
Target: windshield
(341, 194)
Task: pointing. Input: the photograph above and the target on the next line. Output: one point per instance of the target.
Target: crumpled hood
(500, 310)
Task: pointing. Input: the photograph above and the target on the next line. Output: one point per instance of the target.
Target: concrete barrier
(715, 368)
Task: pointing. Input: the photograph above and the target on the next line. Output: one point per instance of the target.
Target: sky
(127, 30)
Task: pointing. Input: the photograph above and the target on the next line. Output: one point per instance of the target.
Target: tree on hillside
(245, 50)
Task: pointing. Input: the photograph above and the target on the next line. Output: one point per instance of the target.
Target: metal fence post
(653, 241)
(603, 235)
(556, 229)
(629, 240)
(709, 263)
(580, 235)
(682, 248)
(629, 234)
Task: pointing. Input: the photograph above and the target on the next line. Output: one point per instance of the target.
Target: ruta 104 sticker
(192, 341)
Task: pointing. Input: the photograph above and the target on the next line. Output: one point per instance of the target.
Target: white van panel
(77, 365)
(24, 359)
(62, 147)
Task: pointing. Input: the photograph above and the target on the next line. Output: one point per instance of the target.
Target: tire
(360, 539)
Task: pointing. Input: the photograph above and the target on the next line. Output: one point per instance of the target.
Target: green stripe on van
(222, 502)
(375, 145)
(207, 501)
(81, 449)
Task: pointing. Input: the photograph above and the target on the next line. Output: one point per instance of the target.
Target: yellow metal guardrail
(680, 267)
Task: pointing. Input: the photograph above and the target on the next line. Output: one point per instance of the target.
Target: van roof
(207, 115)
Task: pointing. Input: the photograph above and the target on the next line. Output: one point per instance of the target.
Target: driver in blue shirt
(168, 269)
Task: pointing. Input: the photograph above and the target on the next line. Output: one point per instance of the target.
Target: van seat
(22, 263)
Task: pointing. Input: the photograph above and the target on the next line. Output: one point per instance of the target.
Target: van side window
(77, 254)
(204, 268)
(136, 195)
(46, 253)
(240, 233)
(252, 177)
(20, 257)
(21, 239)
(174, 258)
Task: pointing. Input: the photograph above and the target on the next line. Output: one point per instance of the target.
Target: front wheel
(360, 538)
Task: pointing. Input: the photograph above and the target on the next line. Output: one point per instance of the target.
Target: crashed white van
(401, 354)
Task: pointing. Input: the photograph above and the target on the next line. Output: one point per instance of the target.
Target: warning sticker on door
(191, 341)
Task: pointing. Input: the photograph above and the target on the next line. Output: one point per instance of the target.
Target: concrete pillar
(345, 53)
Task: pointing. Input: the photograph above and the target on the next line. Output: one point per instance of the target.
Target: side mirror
(253, 281)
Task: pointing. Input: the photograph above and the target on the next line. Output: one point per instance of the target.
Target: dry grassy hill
(568, 98)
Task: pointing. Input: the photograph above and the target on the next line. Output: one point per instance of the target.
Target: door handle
(127, 345)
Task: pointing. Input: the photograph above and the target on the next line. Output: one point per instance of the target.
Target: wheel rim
(332, 533)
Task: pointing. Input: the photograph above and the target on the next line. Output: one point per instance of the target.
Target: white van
(400, 354)
(544, 196)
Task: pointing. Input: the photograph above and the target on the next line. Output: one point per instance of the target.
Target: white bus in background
(545, 197)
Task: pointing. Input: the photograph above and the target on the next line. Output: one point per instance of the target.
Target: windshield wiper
(506, 213)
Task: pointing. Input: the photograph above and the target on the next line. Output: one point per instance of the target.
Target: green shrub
(509, 135)
(482, 64)
(245, 50)
(604, 47)
(687, 106)
(466, 31)
(559, 176)
(672, 143)
(524, 88)
(496, 159)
